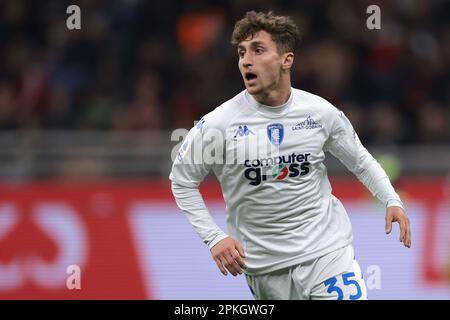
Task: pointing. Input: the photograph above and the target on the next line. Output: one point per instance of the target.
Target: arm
(345, 145)
(190, 201)
(188, 171)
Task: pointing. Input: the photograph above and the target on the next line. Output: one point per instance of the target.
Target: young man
(266, 146)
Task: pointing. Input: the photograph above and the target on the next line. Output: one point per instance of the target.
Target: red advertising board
(46, 227)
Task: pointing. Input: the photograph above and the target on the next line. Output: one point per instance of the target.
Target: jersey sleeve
(344, 144)
(198, 154)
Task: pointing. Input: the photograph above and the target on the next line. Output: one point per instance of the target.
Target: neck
(275, 97)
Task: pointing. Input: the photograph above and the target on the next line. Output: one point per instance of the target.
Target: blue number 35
(331, 284)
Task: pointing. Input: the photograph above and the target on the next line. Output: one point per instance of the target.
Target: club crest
(275, 133)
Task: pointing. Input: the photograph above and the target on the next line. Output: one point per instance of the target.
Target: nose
(246, 61)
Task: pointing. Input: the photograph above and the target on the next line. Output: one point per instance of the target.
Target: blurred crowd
(160, 65)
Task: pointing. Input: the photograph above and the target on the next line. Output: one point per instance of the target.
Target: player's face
(260, 63)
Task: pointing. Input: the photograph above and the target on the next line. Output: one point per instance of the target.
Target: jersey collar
(269, 111)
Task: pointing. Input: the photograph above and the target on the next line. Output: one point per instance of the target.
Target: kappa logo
(242, 131)
(308, 123)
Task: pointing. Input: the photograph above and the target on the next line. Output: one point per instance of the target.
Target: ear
(287, 60)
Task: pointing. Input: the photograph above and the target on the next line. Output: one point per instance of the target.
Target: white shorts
(335, 276)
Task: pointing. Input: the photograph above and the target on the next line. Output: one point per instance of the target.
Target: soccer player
(287, 232)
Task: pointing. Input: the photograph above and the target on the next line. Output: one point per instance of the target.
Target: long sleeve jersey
(269, 162)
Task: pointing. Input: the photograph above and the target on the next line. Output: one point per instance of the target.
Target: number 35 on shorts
(346, 286)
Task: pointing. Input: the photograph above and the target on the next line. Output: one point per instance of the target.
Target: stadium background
(86, 123)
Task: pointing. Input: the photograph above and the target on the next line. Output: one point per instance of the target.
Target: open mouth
(250, 76)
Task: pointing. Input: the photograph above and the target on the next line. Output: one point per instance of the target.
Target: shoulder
(313, 100)
(318, 105)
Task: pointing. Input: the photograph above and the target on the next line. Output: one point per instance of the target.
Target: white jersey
(269, 162)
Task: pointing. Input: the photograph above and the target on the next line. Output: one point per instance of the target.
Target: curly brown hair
(283, 29)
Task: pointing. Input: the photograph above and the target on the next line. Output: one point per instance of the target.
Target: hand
(229, 254)
(397, 214)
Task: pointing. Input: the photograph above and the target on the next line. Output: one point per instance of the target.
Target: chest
(256, 138)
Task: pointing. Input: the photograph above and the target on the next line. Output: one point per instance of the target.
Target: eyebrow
(252, 44)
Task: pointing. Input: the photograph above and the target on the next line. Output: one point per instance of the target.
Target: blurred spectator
(59, 110)
(144, 111)
(7, 107)
(328, 67)
(386, 124)
(433, 123)
(196, 31)
(354, 113)
(141, 65)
